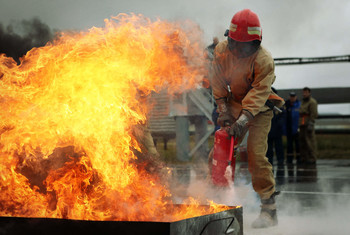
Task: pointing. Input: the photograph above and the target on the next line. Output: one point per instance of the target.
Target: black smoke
(17, 38)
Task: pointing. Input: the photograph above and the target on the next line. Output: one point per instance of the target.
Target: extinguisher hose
(231, 150)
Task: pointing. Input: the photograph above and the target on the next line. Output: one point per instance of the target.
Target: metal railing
(311, 60)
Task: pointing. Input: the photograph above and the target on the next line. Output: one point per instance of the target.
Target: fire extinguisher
(223, 157)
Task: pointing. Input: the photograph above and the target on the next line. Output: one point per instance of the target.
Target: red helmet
(245, 26)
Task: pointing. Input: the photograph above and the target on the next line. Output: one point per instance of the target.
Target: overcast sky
(291, 28)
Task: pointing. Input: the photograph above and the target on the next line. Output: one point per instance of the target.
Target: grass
(333, 146)
(330, 146)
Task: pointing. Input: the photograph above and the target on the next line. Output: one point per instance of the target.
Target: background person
(292, 131)
(274, 141)
(211, 48)
(308, 114)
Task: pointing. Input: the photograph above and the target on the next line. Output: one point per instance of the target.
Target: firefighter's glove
(225, 117)
(310, 126)
(240, 127)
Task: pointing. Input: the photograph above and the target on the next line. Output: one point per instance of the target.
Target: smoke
(19, 37)
(323, 211)
(327, 213)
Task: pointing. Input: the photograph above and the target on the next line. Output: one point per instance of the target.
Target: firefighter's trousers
(259, 167)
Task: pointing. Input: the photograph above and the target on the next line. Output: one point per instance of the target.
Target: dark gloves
(240, 127)
(225, 117)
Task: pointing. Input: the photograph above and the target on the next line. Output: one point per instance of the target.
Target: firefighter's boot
(268, 214)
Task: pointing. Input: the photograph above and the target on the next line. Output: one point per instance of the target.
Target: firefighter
(149, 157)
(211, 47)
(242, 79)
(308, 113)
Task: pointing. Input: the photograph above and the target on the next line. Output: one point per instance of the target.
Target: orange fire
(67, 113)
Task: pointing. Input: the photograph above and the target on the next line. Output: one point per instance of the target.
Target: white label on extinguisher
(215, 162)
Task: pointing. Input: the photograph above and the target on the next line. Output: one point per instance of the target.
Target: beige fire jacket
(249, 78)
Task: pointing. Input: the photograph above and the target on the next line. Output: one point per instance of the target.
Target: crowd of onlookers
(297, 123)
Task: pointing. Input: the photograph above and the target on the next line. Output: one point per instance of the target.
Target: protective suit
(250, 81)
(243, 72)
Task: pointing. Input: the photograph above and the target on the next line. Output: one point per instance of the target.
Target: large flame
(67, 113)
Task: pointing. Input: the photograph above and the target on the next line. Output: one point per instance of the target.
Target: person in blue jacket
(292, 132)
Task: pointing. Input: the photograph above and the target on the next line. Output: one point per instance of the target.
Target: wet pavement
(313, 200)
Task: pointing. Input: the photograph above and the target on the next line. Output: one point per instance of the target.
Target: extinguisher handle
(231, 150)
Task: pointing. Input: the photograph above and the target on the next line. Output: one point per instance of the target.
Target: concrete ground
(313, 200)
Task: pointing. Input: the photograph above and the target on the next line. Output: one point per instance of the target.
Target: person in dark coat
(275, 144)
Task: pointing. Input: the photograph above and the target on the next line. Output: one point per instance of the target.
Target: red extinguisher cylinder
(221, 158)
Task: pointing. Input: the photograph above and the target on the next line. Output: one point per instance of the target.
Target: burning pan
(225, 222)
